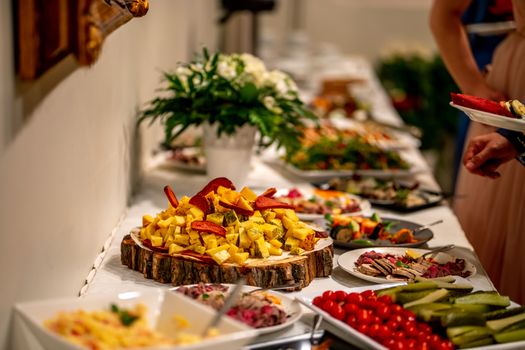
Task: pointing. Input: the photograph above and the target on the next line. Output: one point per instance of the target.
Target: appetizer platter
(387, 193)
(361, 232)
(219, 235)
(505, 114)
(145, 320)
(327, 153)
(267, 311)
(311, 204)
(439, 314)
(187, 159)
(383, 265)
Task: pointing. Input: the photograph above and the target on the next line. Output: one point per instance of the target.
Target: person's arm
(452, 40)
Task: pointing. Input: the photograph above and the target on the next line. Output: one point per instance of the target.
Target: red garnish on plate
(208, 227)
(171, 196)
(204, 258)
(263, 203)
(200, 202)
(481, 104)
(214, 184)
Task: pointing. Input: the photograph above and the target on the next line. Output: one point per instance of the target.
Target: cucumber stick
(498, 325)
(487, 298)
(430, 298)
(507, 337)
(471, 336)
(476, 343)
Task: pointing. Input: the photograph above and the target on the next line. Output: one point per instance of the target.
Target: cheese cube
(276, 243)
(182, 239)
(232, 238)
(156, 241)
(254, 234)
(146, 220)
(240, 258)
(291, 243)
(275, 251)
(179, 220)
(248, 194)
(260, 248)
(165, 223)
(175, 248)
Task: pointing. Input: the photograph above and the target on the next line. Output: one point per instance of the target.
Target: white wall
(66, 150)
(364, 27)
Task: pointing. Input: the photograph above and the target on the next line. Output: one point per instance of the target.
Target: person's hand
(486, 153)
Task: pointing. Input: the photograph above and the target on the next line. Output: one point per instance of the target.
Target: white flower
(254, 69)
(226, 69)
(270, 104)
(282, 83)
(183, 73)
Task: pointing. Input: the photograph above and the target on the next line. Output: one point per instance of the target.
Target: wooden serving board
(264, 273)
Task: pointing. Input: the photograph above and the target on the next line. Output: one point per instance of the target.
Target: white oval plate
(291, 307)
(492, 119)
(308, 193)
(348, 259)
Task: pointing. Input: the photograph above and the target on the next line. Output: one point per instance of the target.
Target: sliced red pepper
(208, 227)
(200, 202)
(269, 192)
(214, 184)
(237, 209)
(262, 203)
(202, 257)
(171, 196)
(148, 245)
(480, 104)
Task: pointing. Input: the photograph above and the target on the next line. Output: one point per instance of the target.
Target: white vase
(229, 155)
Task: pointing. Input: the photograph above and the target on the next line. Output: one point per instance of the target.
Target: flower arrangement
(232, 91)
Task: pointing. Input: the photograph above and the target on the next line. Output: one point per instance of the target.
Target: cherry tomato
(397, 318)
(318, 301)
(383, 311)
(411, 344)
(328, 295)
(328, 305)
(446, 345)
(387, 299)
(409, 315)
(393, 325)
(374, 330)
(399, 335)
(384, 332)
(337, 312)
(424, 327)
(375, 320)
(389, 343)
(424, 345)
(354, 298)
(368, 293)
(399, 345)
(363, 328)
(351, 308)
(363, 316)
(395, 309)
(351, 320)
(435, 341)
(340, 295)
(410, 328)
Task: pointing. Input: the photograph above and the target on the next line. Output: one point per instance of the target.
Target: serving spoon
(424, 227)
(439, 249)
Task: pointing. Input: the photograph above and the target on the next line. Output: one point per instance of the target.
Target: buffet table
(110, 276)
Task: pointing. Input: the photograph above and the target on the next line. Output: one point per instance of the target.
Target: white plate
(180, 165)
(348, 259)
(290, 306)
(492, 119)
(309, 193)
(162, 306)
(324, 175)
(359, 339)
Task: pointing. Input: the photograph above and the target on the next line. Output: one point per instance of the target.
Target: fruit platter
(439, 314)
(383, 265)
(388, 193)
(311, 204)
(374, 231)
(505, 114)
(267, 311)
(220, 235)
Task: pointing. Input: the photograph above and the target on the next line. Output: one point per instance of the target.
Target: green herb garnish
(125, 317)
(205, 296)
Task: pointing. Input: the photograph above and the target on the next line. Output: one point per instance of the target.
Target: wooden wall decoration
(49, 30)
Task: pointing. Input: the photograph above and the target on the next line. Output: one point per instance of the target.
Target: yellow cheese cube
(268, 215)
(240, 258)
(248, 194)
(254, 234)
(276, 243)
(221, 256)
(179, 220)
(296, 251)
(290, 213)
(233, 249)
(232, 238)
(257, 219)
(146, 220)
(291, 243)
(260, 248)
(287, 222)
(196, 213)
(175, 248)
(275, 251)
(194, 234)
(243, 203)
(301, 232)
(181, 239)
(244, 239)
(217, 249)
(211, 243)
(195, 241)
(199, 249)
(156, 241)
(257, 213)
(165, 223)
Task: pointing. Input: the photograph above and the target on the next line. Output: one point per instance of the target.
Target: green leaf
(249, 93)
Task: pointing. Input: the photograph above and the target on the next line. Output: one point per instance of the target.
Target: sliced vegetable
(214, 184)
(488, 298)
(263, 203)
(208, 227)
(236, 208)
(454, 318)
(473, 335)
(477, 343)
(507, 337)
(171, 196)
(503, 313)
(498, 325)
(200, 202)
(270, 192)
(430, 298)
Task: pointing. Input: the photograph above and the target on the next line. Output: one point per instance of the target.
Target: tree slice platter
(179, 270)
